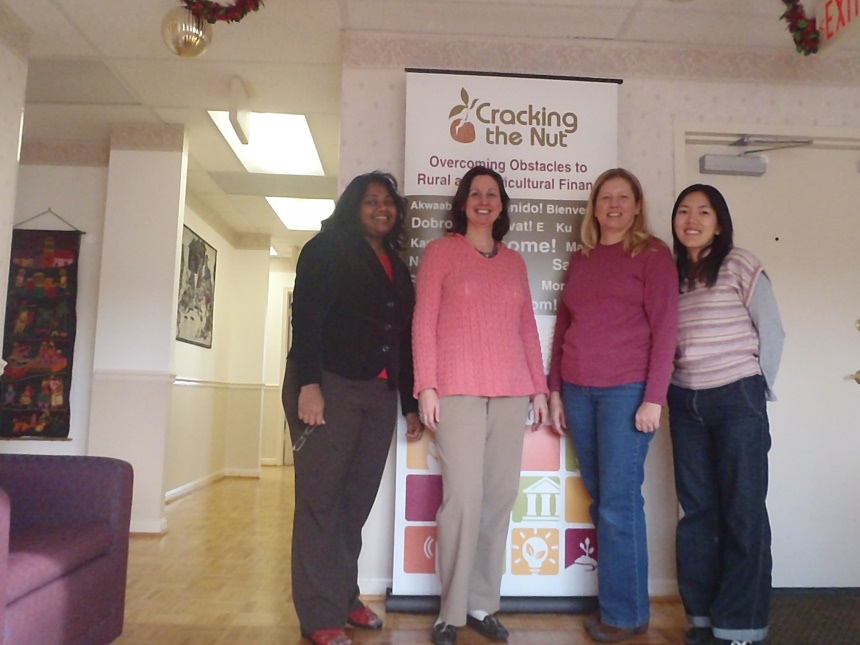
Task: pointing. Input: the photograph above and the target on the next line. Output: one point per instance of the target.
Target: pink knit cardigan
(474, 330)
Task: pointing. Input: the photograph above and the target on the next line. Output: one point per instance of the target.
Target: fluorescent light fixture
(301, 214)
(277, 143)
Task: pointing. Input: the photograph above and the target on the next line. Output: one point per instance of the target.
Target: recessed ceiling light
(301, 214)
(277, 143)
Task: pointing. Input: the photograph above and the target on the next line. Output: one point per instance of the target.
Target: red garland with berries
(213, 12)
(802, 28)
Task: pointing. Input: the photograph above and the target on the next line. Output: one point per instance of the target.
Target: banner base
(510, 604)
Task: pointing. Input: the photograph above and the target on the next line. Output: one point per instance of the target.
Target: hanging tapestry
(39, 337)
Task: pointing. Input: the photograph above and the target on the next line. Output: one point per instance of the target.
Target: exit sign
(837, 21)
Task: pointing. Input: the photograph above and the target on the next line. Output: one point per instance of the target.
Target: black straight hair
(706, 269)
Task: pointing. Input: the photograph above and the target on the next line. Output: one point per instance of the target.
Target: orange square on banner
(576, 501)
(541, 450)
(535, 552)
(419, 549)
(421, 455)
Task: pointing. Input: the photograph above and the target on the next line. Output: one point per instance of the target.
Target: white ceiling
(97, 62)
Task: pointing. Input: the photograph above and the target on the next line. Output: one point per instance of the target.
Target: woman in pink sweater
(477, 365)
(615, 337)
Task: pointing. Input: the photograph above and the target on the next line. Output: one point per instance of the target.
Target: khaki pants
(480, 443)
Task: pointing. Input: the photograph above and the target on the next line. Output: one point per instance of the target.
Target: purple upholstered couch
(64, 524)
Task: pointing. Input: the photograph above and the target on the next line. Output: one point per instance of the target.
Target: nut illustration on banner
(462, 129)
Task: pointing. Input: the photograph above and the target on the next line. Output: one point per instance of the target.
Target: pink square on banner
(419, 549)
(541, 450)
(423, 497)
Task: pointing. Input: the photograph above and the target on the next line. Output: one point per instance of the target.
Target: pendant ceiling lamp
(184, 33)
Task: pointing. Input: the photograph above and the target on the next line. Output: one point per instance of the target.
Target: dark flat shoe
(592, 620)
(603, 633)
(698, 636)
(490, 627)
(443, 634)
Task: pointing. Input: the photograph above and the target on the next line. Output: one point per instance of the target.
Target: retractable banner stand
(549, 138)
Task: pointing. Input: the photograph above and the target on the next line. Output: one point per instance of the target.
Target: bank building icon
(543, 500)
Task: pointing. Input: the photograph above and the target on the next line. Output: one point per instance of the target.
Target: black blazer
(349, 318)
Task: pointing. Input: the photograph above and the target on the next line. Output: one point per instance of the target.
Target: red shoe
(364, 618)
(334, 636)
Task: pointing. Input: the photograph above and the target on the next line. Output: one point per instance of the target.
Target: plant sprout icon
(462, 129)
(535, 552)
(585, 559)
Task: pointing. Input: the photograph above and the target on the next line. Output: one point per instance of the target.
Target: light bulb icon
(535, 551)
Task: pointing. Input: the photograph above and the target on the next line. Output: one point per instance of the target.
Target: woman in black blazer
(351, 354)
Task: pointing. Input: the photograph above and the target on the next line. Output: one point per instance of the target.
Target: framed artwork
(194, 315)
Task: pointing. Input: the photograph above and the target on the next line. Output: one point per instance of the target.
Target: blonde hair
(638, 236)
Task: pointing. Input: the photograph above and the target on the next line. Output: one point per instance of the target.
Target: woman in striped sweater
(729, 347)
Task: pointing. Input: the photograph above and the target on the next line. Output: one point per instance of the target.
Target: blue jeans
(611, 456)
(720, 439)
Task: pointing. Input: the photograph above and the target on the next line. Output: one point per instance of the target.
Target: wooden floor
(222, 575)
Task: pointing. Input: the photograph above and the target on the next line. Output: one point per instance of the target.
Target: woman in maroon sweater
(614, 342)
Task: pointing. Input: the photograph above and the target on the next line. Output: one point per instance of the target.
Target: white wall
(193, 362)
(13, 80)
(282, 278)
(218, 401)
(220, 389)
(661, 88)
(78, 195)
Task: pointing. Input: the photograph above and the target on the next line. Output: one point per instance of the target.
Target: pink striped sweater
(474, 330)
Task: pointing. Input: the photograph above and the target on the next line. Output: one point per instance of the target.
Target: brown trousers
(480, 443)
(338, 469)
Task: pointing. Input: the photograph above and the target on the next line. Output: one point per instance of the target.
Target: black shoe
(443, 634)
(698, 636)
(490, 627)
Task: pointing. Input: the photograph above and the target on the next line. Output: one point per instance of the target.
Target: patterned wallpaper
(581, 57)
(665, 90)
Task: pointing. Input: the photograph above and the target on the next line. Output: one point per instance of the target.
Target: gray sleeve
(765, 316)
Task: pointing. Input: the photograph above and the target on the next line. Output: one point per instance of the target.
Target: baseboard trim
(253, 473)
(819, 591)
(191, 487)
(509, 604)
(149, 526)
(662, 587)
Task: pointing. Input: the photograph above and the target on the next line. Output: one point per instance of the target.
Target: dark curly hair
(347, 212)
